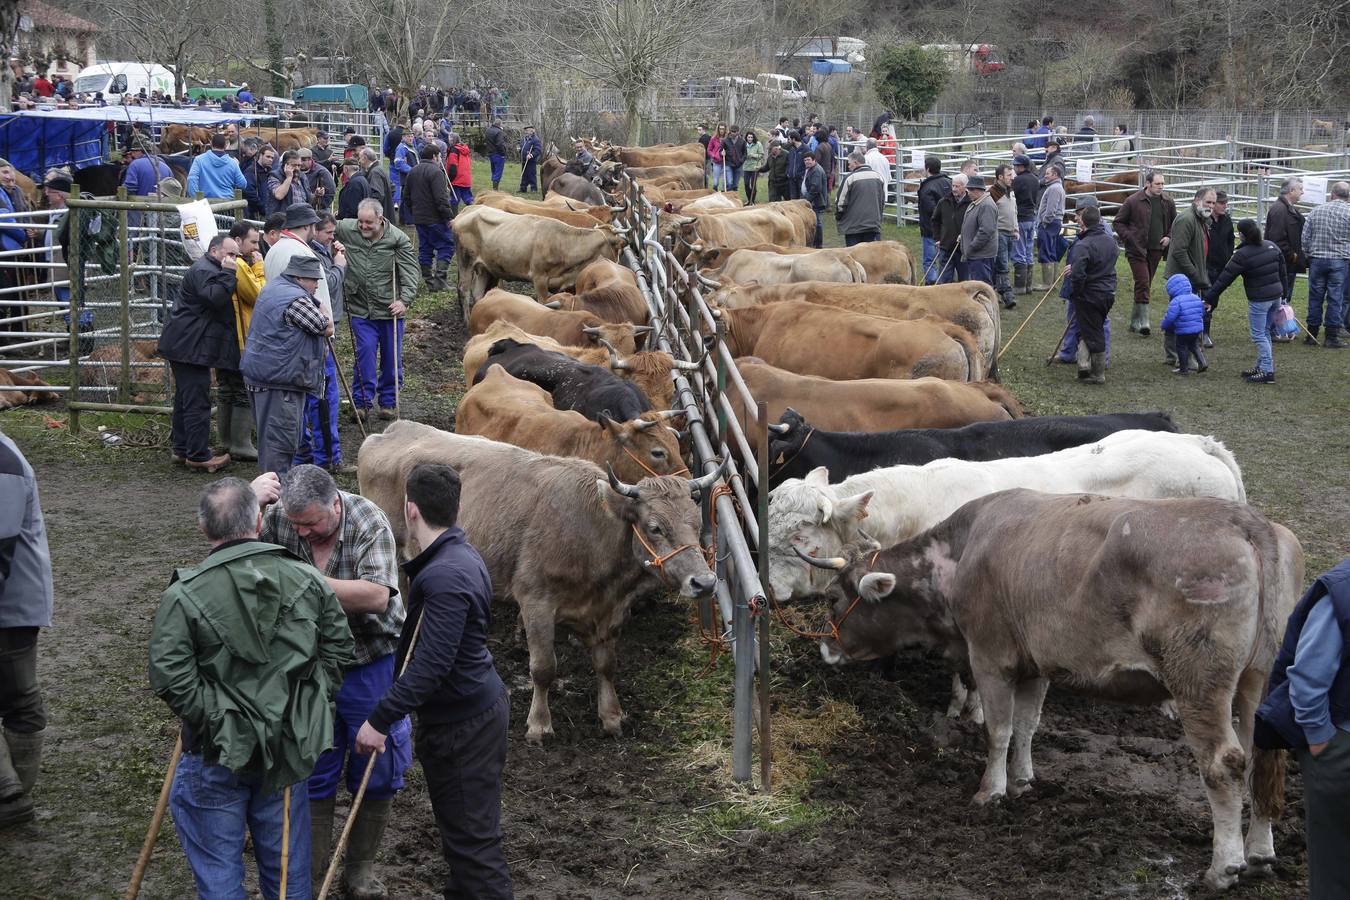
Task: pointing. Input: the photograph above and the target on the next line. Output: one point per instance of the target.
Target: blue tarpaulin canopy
(35, 140)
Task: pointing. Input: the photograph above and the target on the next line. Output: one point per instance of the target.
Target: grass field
(655, 814)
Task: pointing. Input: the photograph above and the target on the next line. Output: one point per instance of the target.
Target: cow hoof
(1222, 881)
(985, 798)
(1260, 865)
(614, 727)
(536, 736)
(1020, 787)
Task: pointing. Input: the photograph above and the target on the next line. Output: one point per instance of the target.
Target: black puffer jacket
(201, 329)
(1093, 262)
(1027, 189)
(931, 191)
(1262, 267)
(1284, 229)
(427, 194)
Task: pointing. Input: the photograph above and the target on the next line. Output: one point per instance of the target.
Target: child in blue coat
(1186, 319)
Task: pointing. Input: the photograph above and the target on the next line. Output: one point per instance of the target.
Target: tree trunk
(274, 49)
(9, 29)
(634, 121)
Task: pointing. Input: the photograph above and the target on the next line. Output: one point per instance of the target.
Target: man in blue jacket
(531, 151)
(462, 706)
(796, 167)
(1307, 708)
(405, 157)
(215, 174)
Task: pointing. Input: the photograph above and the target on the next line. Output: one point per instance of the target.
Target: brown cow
(1106, 188)
(687, 175)
(611, 292)
(696, 236)
(102, 368)
(492, 244)
(1154, 600)
(811, 339)
(768, 267)
(872, 404)
(282, 139)
(573, 328)
(883, 262)
(657, 155)
(10, 399)
(184, 139)
(609, 545)
(570, 211)
(650, 370)
(508, 409)
(972, 305)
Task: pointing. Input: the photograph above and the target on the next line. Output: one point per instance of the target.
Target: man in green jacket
(1187, 252)
(382, 279)
(248, 649)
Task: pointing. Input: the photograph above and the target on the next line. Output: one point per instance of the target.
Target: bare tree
(9, 33)
(161, 31)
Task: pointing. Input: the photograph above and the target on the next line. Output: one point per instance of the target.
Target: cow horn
(614, 361)
(708, 282)
(685, 365)
(701, 484)
(620, 229)
(679, 435)
(618, 208)
(593, 330)
(553, 304)
(628, 490)
(833, 563)
(670, 413)
(779, 428)
(643, 329)
(644, 424)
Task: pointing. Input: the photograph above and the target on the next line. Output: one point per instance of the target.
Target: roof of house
(50, 17)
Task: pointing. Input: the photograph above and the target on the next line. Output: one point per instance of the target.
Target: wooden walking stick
(361, 791)
(398, 350)
(285, 840)
(360, 423)
(1048, 292)
(1050, 360)
(156, 820)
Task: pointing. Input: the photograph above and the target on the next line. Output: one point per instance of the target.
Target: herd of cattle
(1109, 554)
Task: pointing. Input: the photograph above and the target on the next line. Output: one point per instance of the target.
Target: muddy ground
(874, 783)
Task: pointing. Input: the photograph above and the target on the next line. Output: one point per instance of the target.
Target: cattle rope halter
(834, 623)
(658, 562)
(648, 469)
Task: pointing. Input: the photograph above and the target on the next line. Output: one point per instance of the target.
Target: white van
(114, 79)
(784, 86)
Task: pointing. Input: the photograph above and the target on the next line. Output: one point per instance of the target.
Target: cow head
(787, 438)
(665, 524)
(809, 515)
(621, 336)
(643, 446)
(607, 175)
(881, 601)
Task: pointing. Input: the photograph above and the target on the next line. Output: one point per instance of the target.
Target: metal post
(721, 379)
(762, 515)
(75, 265)
(124, 287)
(1262, 178)
(743, 650)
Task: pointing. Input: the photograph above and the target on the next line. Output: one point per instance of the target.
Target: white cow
(895, 503)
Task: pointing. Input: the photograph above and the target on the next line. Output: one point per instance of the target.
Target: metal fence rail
(732, 522)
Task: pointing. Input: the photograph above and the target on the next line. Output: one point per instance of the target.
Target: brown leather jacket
(1131, 223)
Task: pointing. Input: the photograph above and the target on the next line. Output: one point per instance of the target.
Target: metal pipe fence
(733, 524)
(121, 279)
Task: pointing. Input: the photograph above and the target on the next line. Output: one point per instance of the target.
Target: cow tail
(1268, 766)
(974, 359)
(856, 269)
(1216, 449)
(1268, 776)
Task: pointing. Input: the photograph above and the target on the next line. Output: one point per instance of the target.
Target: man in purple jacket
(461, 704)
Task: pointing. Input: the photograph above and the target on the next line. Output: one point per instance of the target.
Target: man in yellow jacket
(235, 416)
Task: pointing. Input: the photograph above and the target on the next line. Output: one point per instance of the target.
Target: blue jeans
(319, 442)
(719, 176)
(370, 336)
(1050, 244)
(1068, 351)
(1326, 283)
(435, 242)
(978, 270)
(498, 163)
(1260, 320)
(211, 809)
(1003, 266)
(944, 266)
(1026, 243)
(862, 237)
(734, 176)
(930, 251)
(362, 688)
(460, 196)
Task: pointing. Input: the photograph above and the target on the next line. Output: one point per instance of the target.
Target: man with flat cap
(284, 359)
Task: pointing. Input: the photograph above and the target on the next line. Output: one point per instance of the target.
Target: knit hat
(298, 215)
(1023, 160)
(304, 267)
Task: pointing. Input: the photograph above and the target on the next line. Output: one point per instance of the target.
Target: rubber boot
(224, 421)
(320, 840)
(25, 752)
(1084, 361)
(1310, 339)
(15, 804)
(359, 872)
(440, 270)
(1098, 374)
(1207, 342)
(1333, 339)
(426, 278)
(1026, 278)
(1201, 362)
(1170, 349)
(241, 435)
(1046, 278)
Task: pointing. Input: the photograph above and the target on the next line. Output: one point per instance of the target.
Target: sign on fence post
(916, 160)
(1314, 189)
(198, 224)
(1084, 171)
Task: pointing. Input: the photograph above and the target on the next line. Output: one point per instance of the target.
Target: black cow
(590, 390)
(798, 448)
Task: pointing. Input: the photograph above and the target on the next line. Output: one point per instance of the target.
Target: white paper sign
(1084, 170)
(916, 160)
(198, 225)
(1314, 189)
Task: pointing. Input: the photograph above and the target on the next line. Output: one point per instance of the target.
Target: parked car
(784, 86)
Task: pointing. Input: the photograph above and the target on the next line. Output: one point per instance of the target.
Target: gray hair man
(861, 201)
(347, 538)
(877, 161)
(381, 188)
(284, 359)
(1187, 251)
(1284, 229)
(1326, 244)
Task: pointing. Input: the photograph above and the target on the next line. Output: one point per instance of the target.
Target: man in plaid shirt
(348, 539)
(1326, 243)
